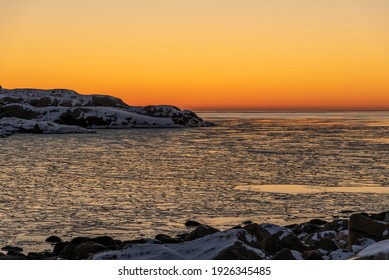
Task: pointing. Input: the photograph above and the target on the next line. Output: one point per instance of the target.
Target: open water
(139, 182)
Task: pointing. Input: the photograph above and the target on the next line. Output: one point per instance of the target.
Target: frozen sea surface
(139, 182)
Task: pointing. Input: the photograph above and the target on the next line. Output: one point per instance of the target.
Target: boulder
(376, 251)
(53, 239)
(361, 226)
(336, 225)
(286, 254)
(192, 223)
(167, 239)
(264, 230)
(86, 249)
(12, 249)
(312, 255)
(107, 241)
(238, 251)
(313, 238)
(200, 231)
(281, 240)
(326, 244)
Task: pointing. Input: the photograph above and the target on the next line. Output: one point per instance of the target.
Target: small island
(66, 111)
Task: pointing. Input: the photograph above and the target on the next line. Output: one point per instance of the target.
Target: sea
(275, 167)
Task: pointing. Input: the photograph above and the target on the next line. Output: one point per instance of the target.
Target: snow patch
(381, 247)
(205, 248)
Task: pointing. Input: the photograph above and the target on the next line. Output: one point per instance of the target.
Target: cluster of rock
(66, 111)
(362, 236)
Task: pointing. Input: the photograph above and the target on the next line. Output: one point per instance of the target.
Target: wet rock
(192, 223)
(13, 249)
(317, 222)
(238, 252)
(53, 239)
(326, 244)
(80, 239)
(306, 228)
(13, 257)
(361, 226)
(312, 255)
(107, 241)
(286, 254)
(200, 231)
(86, 249)
(58, 247)
(281, 240)
(40, 255)
(263, 230)
(313, 238)
(336, 225)
(380, 216)
(127, 243)
(69, 251)
(167, 239)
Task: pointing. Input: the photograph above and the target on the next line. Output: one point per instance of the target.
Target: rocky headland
(361, 236)
(66, 111)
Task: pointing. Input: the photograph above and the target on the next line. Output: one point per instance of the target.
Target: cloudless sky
(234, 54)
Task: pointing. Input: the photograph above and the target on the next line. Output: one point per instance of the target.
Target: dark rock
(69, 251)
(191, 223)
(263, 230)
(13, 249)
(247, 222)
(126, 243)
(167, 239)
(306, 228)
(237, 227)
(280, 240)
(326, 244)
(317, 222)
(79, 240)
(347, 211)
(85, 249)
(58, 247)
(312, 255)
(313, 238)
(53, 239)
(40, 256)
(292, 226)
(19, 111)
(336, 225)
(238, 252)
(361, 226)
(200, 231)
(13, 257)
(107, 241)
(107, 101)
(286, 254)
(380, 216)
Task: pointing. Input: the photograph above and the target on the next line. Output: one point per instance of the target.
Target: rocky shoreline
(361, 236)
(59, 111)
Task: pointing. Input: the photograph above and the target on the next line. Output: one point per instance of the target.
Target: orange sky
(210, 54)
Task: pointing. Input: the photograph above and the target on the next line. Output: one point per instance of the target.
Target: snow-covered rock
(378, 251)
(55, 110)
(230, 244)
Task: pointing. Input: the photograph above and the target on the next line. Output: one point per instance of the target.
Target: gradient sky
(236, 54)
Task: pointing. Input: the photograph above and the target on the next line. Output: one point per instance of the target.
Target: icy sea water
(140, 182)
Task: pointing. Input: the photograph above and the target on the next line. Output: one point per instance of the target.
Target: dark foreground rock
(362, 226)
(66, 111)
(365, 238)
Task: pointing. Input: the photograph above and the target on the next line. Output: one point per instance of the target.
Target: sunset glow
(215, 54)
